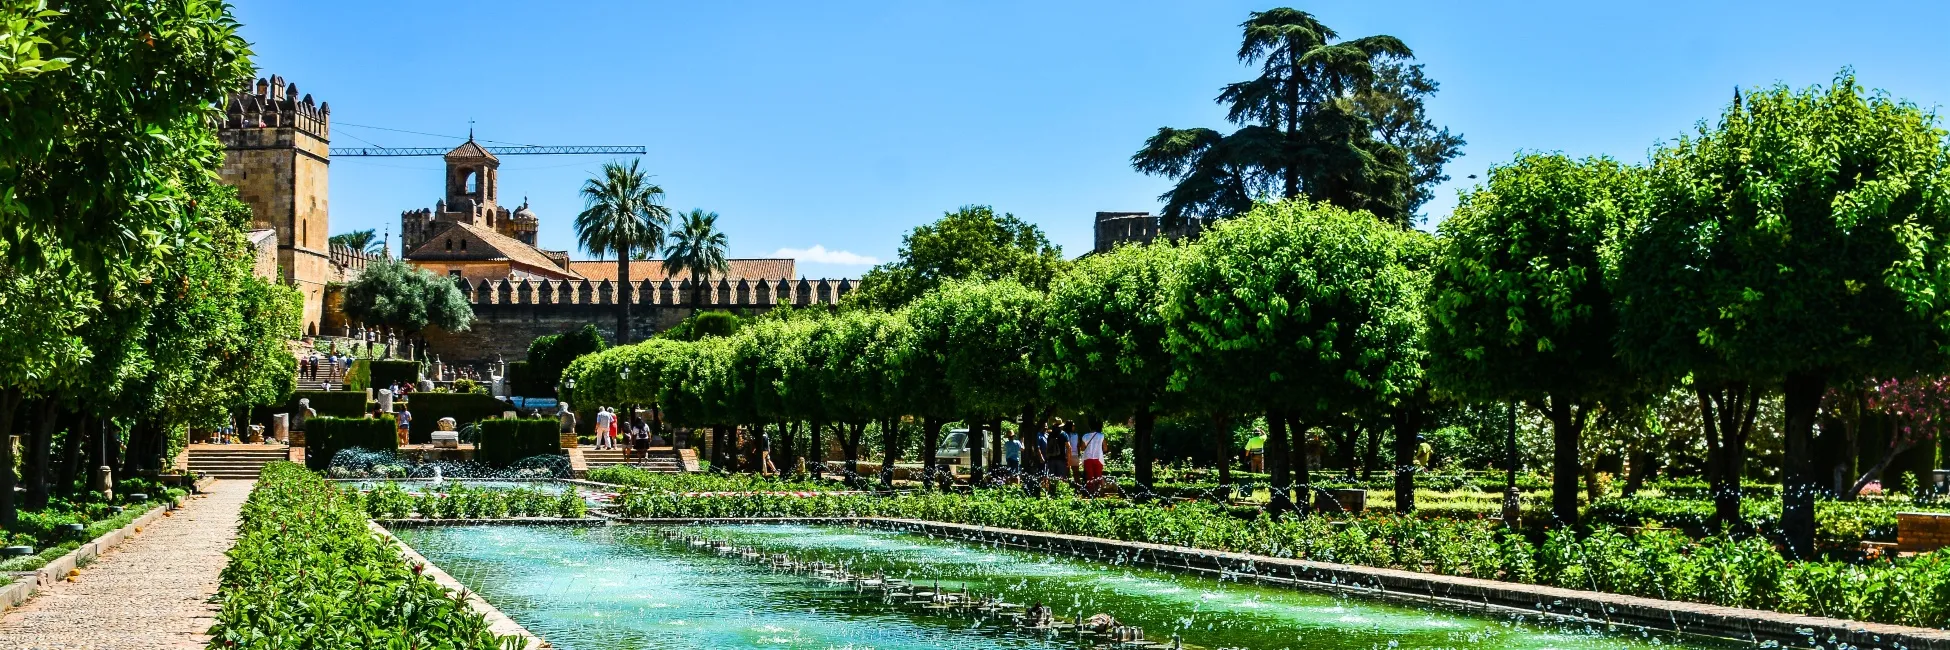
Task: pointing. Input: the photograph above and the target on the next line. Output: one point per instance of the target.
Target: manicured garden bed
(308, 572)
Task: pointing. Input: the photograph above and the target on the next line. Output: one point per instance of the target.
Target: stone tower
(276, 152)
(472, 197)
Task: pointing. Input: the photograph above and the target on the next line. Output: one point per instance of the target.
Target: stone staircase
(234, 461)
(662, 459)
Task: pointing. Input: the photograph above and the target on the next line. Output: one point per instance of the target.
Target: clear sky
(839, 126)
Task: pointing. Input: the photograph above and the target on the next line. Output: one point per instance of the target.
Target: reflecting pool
(625, 587)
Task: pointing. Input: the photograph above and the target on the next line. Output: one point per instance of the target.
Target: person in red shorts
(1091, 447)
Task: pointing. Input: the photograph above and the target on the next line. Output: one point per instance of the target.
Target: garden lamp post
(1512, 499)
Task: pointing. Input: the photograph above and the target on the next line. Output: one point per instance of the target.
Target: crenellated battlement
(272, 103)
(722, 293)
(1115, 228)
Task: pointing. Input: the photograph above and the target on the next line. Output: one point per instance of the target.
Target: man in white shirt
(603, 419)
(1091, 448)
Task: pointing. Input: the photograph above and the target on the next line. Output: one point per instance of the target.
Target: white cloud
(819, 255)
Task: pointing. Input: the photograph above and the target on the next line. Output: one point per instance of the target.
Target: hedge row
(306, 572)
(381, 373)
(504, 441)
(464, 408)
(325, 437)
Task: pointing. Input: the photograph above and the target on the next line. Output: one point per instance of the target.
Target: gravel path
(152, 591)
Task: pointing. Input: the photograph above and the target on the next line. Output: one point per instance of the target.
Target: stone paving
(152, 591)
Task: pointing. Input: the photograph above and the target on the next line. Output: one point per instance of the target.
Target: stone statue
(448, 424)
(385, 400)
(305, 412)
(568, 418)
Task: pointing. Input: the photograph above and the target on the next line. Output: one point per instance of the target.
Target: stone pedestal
(280, 427)
(569, 440)
(446, 440)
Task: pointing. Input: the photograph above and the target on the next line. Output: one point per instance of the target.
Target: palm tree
(1302, 132)
(366, 241)
(696, 246)
(624, 211)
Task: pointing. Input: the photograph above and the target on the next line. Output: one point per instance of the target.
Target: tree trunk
(623, 294)
(930, 441)
(1222, 450)
(850, 445)
(1277, 459)
(9, 404)
(787, 456)
(42, 438)
(1728, 412)
(975, 443)
(1296, 451)
(71, 446)
(1374, 454)
(1801, 397)
(1567, 428)
(1641, 470)
(1142, 426)
(1895, 449)
(816, 453)
(1408, 427)
(890, 450)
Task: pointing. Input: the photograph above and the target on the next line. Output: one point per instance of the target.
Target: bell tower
(473, 179)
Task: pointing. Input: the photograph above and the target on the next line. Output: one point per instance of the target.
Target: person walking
(1256, 451)
(1093, 462)
(1056, 461)
(405, 425)
(604, 420)
(1076, 459)
(764, 443)
(1012, 454)
(639, 437)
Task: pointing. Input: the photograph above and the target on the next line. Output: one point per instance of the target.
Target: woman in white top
(1091, 448)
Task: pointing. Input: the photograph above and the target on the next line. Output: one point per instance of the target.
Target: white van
(953, 449)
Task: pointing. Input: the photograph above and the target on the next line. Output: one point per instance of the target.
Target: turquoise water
(626, 587)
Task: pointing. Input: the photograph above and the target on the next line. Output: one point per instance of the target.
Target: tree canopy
(395, 294)
(971, 243)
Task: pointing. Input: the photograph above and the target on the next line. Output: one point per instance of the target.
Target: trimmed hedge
(381, 373)
(464, 408)
(522, 380)
(306, 572)
(330, 403)
(325, 437)
(505, 441)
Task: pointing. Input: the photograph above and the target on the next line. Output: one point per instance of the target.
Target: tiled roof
(653, 270)
(470, 150)
(482, 244)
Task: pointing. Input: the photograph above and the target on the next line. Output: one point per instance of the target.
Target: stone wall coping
(1748, 625)
(27, 583)
(498, 622)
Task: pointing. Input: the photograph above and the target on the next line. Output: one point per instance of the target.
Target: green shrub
(381, 373)
(328, 403)
(306, 572)
(504, 441)
(325, 437)
(464, 408)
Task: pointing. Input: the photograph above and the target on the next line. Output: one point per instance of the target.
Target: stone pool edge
(1730, 623)
(498, 622)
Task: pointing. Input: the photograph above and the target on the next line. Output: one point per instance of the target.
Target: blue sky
(842, 125)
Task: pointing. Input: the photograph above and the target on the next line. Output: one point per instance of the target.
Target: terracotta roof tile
(483, 244)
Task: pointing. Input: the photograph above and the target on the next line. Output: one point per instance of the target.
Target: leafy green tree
(1105, 340)
(1797, 243)
(697, 247)
(1303, 311)
(1327, 119)
(1521, 305)
(101, 94)
(394, 294)
(985, 336)
(364, 241)
(971, 243)
(623, 212)
(550, 355)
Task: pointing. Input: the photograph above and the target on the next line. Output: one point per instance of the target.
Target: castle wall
(281, 171)
(504, 331)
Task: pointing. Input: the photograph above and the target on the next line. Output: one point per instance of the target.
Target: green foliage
(1521, 304)
(627, 476)
(971, 243)
(984, 336)
(395, 294)
(702, 324)
(1339, 121)
(1298, 306)
(697, 246)
(462, 501)
(306, 572)
(503, 441)
(1106, 331)
(380, 373)
(464, 408)
(326, 436)
(549, 355)
(365, 241)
